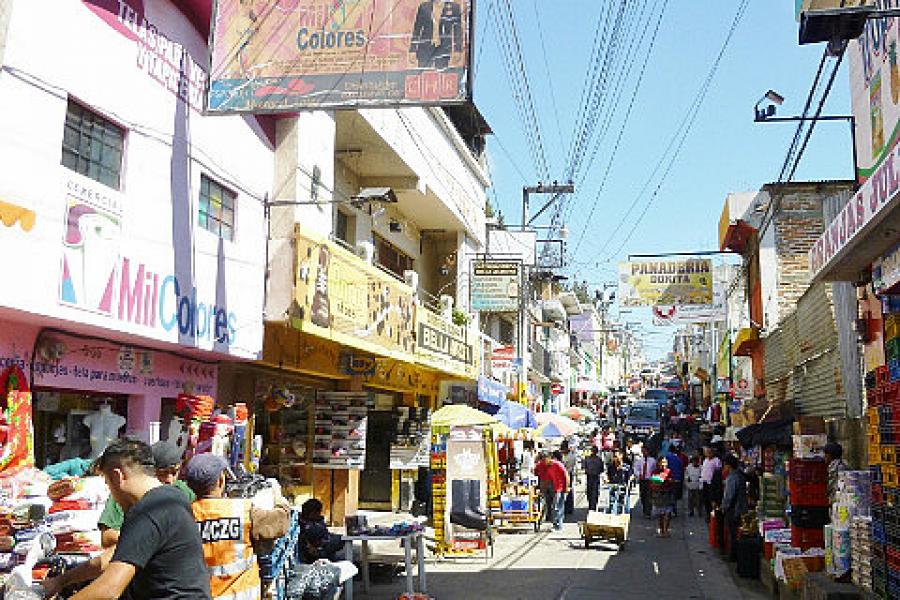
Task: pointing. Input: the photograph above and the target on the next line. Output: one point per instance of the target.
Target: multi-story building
(134, 225)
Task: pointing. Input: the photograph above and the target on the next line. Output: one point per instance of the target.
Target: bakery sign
(444, 345)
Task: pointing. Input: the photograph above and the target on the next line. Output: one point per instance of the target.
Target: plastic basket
(809, 494)
(805, 538)
(808, 471)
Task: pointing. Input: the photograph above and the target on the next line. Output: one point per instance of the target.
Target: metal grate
(92, 145)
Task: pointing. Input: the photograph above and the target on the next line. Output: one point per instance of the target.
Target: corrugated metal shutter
(777, 369)
(817, 386)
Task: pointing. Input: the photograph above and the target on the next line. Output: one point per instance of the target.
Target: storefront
(358, 330)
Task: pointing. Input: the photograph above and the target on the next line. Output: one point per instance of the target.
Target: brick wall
(797, 225)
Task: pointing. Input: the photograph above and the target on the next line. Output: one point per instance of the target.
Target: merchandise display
(861, 549)
(409, 438)
(340, 429)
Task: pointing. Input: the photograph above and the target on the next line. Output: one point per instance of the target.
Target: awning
(516, 416)
(10, 214)
(491, 392)
(460, 415)
(745, 341)
(589, 386)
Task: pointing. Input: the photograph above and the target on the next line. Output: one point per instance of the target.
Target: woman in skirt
(662, 492)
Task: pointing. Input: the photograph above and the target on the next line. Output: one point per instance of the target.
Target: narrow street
(555, 565)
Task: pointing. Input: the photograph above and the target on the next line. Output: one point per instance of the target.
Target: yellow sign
(445, 346)
(342, 298)
(679, 282)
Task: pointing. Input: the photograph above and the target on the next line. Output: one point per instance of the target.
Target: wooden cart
(613, 521)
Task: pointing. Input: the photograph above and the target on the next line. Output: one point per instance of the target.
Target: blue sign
(490, 391)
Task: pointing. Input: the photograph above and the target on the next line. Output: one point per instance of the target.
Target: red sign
(556, 389)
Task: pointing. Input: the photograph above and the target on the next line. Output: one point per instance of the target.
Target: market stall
(465, 479)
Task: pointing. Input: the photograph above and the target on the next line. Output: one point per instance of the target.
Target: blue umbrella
(516, 416)
(550, 430)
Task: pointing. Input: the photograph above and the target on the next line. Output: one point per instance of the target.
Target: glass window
(391, 258)
(216, 212)
(92, 145)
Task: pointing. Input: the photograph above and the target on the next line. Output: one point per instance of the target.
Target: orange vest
(224, 525)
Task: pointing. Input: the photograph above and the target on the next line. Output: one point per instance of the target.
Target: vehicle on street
(658, 395)
(642, 420)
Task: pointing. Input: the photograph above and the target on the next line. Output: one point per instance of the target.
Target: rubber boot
(475, 498)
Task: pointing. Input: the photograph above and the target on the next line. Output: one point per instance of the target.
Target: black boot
(459, 507)
(475, 498)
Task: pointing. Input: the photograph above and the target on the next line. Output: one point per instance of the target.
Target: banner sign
(311, 54)
(491, 392)
(344, 299)
(443, 345)
(886, 271)
(681, 282)
(684, 315)
(495, 286)
(467, 471)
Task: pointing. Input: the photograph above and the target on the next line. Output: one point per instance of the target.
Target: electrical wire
(680, 136)
(552, 88)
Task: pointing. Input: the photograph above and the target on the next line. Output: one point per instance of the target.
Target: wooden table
(407, 540)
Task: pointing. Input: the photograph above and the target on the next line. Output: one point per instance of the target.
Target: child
(693, 485)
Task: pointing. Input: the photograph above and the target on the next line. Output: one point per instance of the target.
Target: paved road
(556, 566)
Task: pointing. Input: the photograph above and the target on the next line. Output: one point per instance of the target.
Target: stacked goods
(861, 548)
(69, 509)
(772, 496)
(439, 486)
(809, 496)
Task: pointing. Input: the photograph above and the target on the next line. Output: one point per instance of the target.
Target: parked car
(642, 420)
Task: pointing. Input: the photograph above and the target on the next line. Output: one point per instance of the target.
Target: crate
(870, 380)
(892, 349)
(808, 471)
(889, 476)
(877, 494)
(882, 375)
(888, 455)
(809, 494)
(890, 434)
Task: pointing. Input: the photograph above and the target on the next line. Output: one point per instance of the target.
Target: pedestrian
(734, 502)
(663, 499)
(693, 485)
(619, 472)
(526, 466)
(315, 541)
(159, 554)
(167, 462)
(643, 470)
(834, 456)
(570, 461)
(709, 469)
(229, 527)
(593, 468)
(553, 481)
(676, 477)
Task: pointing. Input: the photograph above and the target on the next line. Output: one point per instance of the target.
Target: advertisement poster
(681, 282)
(466, 486)
(294, 54)
(495, 286)
(675, 314)
(343, 299)
(339, 440)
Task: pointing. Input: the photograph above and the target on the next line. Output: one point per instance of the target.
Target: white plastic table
(407, 548)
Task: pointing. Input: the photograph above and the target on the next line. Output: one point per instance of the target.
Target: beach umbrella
(564, 424)
(516, 415)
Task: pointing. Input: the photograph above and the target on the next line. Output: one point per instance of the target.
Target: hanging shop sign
(340, 429)
(342, 298)
(491, 392)
(886, 271)
(675, 314)
(495, 286)
(316, 54)
(680, 282)
(443, 345)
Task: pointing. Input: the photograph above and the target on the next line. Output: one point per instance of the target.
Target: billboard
(289, 55)
(650, 283)
(675, 314)
(495, 286)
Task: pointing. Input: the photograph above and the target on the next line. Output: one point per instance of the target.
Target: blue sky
(725, 151)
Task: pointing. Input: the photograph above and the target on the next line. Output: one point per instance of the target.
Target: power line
(537, 18)
(680, 136)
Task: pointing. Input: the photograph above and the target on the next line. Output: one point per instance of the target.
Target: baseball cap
(165, 455)
(203, 471)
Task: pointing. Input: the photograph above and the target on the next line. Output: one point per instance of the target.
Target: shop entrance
(60, 432)
(375, 479)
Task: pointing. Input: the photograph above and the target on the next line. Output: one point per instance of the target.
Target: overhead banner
(675, 314)
(679, 282)
(310, 54)
(495, 286)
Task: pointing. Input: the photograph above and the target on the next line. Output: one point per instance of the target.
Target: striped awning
(10, 214)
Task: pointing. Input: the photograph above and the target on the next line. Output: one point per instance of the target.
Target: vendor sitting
(229, 527)
(316, 541)
(167, 461)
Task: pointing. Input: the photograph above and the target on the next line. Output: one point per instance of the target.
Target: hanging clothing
(226, 532)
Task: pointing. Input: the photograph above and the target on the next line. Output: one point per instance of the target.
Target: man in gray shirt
(593, 469)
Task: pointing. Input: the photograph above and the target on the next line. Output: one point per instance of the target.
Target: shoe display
(460, 513)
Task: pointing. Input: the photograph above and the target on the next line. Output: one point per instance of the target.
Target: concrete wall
(120, 65)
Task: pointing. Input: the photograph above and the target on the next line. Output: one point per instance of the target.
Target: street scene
(450, 299)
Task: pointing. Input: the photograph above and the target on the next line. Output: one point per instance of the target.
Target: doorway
(375, 479)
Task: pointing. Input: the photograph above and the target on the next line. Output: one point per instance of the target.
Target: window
(216, 208)
(344, 227)
(391, 258)
(92, 146)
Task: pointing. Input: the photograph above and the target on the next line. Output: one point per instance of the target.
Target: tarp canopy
(516, 415)
(491, 392)
(589, 386)
(461, 415)
(577, 413)
(550, 430)
(767, 433)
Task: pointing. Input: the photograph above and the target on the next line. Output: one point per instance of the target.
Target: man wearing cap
(834, 456)
(167, 463)
(228, 528)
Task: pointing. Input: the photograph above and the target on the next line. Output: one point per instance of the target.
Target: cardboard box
(810, 426)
